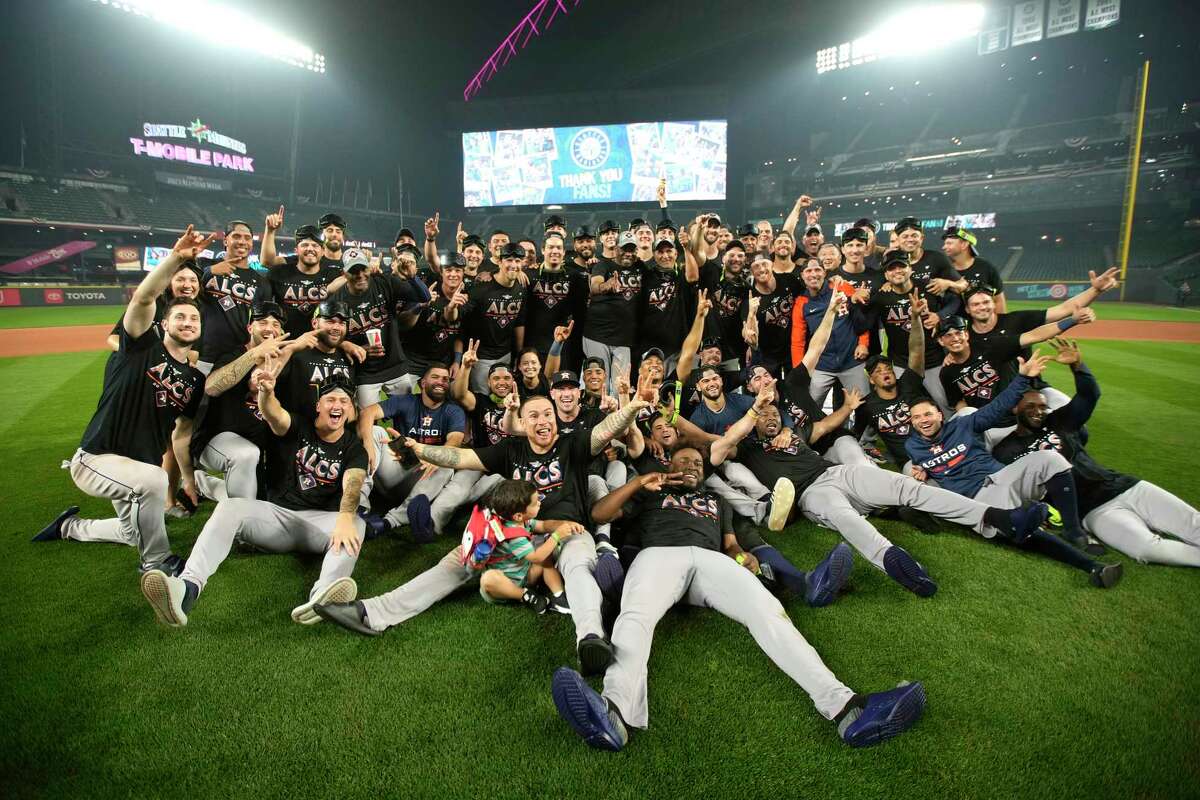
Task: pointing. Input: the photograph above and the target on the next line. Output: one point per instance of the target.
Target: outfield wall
(11, 297)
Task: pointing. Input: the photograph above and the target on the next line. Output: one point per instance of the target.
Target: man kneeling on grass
(690, 554)
(497, 541)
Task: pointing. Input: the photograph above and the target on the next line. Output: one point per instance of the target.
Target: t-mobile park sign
(171, 151)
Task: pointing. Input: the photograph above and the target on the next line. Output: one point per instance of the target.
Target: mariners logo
(590, 148)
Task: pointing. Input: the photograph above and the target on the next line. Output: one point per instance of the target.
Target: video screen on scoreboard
(594, 163)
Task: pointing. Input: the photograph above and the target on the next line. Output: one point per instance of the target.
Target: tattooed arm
(615, 424)
(345, 533)
(452, 457)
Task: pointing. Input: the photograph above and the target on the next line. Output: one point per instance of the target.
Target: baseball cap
(411, 249)
(307, 232)
(746, 229)
(554, 220)
(712, 341)
(266, 308)
(855, 234)
(867, 222)
(958, 232)
(336, 383)
(499, 365)
(513, 250)
(585, 232)
(714, 221)
(735, 243)
(594, 361)
(811, 229)
(951, 324)
(665, 225)
(627, 239)
(354, 258)
(473, 239)
(609, 225)
(655, 352)
(332, 308)
(637, 222)
(454, 261)
(875, 360)
(908, 223)
(564, 378)
(892, 257)
(331, 219)
(663, 243)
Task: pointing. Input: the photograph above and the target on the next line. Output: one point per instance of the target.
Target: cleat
(828, 578)
(875, 454)
(165, 595)
(1106, 576)
(377, 526)
(420, 519)
(343, 590)
(595, 654)
(783, 497)
(559, 604)
(904, 570)
(54, 532)
(351, 616)
(885, 715)
(589, 715)
(536, 601)
(1025, 521)
(1053, 518)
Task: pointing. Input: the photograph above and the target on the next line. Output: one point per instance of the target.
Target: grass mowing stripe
(1123, 311)
(58, 384)
(57, 317)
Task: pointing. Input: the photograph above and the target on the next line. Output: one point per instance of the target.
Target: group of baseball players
(613, 413)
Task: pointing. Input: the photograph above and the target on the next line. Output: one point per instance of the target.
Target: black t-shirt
(560, 474)
(984, 374)
(893, 310)
(585, 420)
(668, 302)
(891, 418)
(648, 462)
(869, 278)
(611, 316)
(775, 320)
(981, 273)
(228, 299)
(486, 421)
(296, 387)
(1012, 323)
(797, 462)
(492, 315)
(724, 321)
(676, 517)
(542, 388)
(145, 389)
(233, 411)
(376, 308)
(554, 297)
(432, 338)
(326, 261)
(933, 264)
(307, 471)
(300, 293)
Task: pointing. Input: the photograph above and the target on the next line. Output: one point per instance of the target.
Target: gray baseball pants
(368, 394)
(659, 578)
(237, 459)
(1131, 522)
(616, 359)
(842, 497)
(1022, 481)
(464, 486)
(390, 473)
(273, 529)
(853, 378)
(138, 492)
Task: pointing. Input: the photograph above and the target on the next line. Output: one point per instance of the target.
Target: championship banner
(32, 262)
(193, 182)
(1063, 18)
(1102, 14)
(993, 35)
(1028, 19)
(127, 258)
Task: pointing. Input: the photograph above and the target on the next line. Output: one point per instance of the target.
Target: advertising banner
(1044, 291)
(41, 259)
(127, 258)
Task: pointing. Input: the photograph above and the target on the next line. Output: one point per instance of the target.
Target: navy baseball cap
(908, 224)
(331, 219)
(594, 361)
(554, 220)
(636, 223)
(712, 341)
(746, 229)
(404, 232)
(564, 378)
(951, 324)
(307, 232)
(332, 308)
(875, 360)
(735, 243)
(454, 261)
(336, 383)
(867, 222)
(609, 225)
(655, 352)
(411, 249)
(585, 232)
(666, 225)
(265, 309)
(855, 234)
(893, 258)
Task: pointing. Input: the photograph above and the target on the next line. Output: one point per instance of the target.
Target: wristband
(753, 414)
(554, 536)
(740, 558)
(458, 358)
(556, 348)
(1064, 324)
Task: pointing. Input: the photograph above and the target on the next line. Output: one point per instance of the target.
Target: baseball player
(299, 282)
(312, 507)
(690, 554)
(149, 387)
(557, 466)
(767, 313)
(494, 314)
(230, 288)
(842, 359)
(959, 245)
(435, 339)
(610, 327)
(953, 453)
(184, 283)
(838, 496)
(1123, 511)
(314, 358)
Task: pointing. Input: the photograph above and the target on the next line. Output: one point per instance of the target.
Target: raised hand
(853, 399)
(191, 244)
(661, 192)
(812, 217)
(804, 201)
(1034, 366)
(275, 221)
(458, 299)
(752, 304)
(646, 391)
(703, 304)
(1066, 351)
(471, 354)
(861, 295)
(512, 401)
(460, 235)
(431, 226)
(1105, 280)
(656, 481)
(563, 332)
(1083, 316)
(766, 395)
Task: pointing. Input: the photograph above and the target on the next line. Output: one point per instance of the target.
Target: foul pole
(1135, 163)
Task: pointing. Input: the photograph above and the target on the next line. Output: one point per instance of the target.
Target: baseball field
(1038, 684)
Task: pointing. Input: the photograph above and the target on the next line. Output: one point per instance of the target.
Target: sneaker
(783, 497)
(54, 532)
(350, 616)
(558, 603)
(886, 714)
(1053, 518)
(537, 602)
(595, 654)
(173, 565)
(1027, 520)
(904, 570)
(420, 519)
(1106, 576)
(165, 595)
(593, 718)
(376, 525)
(828, 578)
(343, 590)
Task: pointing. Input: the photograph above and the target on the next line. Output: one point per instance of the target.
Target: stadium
(1060, 136)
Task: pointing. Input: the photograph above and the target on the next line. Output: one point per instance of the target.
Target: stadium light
(252, 34)
(942, 24)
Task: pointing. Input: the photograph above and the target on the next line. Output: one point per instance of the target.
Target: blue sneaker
(53, 531)
(885, 715)
(904, 570)
(589, 715)
(376, 525)
(420, 519)
(1027, 520)
(827, 579)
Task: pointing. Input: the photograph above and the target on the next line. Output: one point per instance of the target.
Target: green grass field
(1039, 685)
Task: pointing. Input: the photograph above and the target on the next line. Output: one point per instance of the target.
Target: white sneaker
(343, 590)
(165, 595)
(783, 497)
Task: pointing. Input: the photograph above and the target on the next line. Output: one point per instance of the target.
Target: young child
(515, 565)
